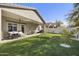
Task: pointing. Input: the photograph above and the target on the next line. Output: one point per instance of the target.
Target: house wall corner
(1, 25)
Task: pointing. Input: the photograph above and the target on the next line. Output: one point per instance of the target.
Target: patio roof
(16, 18)
(12, 7)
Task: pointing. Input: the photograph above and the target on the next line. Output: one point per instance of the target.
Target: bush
(67, 34)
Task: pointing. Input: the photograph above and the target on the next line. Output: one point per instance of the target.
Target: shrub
(67, 34)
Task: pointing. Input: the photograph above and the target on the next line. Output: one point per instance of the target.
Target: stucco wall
(29, 27)
(1, 25)
(55, 30)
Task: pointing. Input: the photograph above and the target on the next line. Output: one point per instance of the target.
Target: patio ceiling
(27, 15)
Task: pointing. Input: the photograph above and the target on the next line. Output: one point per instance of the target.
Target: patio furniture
(13, 34)
(20, 33)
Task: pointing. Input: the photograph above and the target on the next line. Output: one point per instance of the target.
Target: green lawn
(42, 45)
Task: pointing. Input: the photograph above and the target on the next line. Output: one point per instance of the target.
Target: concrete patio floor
(10, 40)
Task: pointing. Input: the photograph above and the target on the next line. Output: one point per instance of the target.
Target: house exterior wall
(26, 14)
(28, 27)
(55, 30)
(1, 24)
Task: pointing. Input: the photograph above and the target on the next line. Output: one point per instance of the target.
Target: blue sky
(52, 11)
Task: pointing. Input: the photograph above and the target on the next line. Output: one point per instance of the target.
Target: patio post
(1, 25)
(44, 28)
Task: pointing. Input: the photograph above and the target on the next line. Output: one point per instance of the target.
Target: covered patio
(16, 24)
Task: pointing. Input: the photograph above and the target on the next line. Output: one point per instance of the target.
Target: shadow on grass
(43, 45)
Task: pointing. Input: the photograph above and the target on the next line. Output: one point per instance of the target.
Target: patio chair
(7, 35)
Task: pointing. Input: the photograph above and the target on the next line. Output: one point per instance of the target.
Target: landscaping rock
(65, 45)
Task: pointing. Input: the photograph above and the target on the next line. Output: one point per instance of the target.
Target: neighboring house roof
(15, 6)
(50, 24)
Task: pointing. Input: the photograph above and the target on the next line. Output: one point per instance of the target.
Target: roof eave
(24, 9)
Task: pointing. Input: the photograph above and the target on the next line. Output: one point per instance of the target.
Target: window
(12, 27)
(9, 27)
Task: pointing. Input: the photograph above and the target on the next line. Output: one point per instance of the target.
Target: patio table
(13, 34)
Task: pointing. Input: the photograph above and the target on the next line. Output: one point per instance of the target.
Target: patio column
(1, 25)
(45, 28)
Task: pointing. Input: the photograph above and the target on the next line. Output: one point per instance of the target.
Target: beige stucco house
(15, 18)
(54, 27)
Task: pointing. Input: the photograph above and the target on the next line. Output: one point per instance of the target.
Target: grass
(42, 45)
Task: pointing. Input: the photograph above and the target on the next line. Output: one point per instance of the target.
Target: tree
(58, 23)
(74, 15)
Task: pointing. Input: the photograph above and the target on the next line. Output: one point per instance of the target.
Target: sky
(51, 11)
